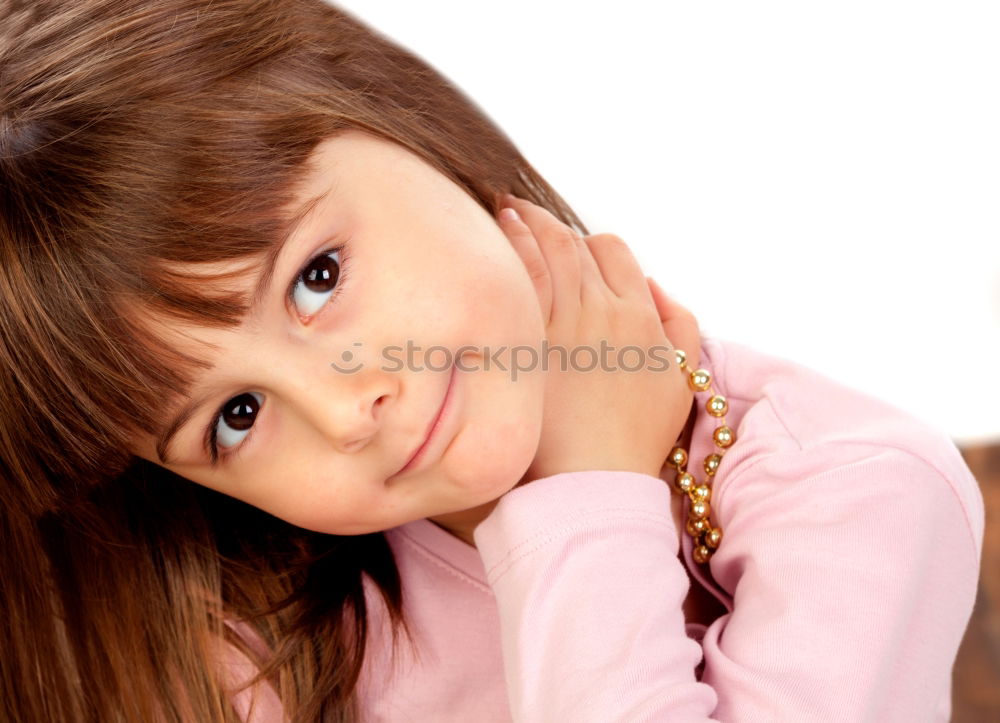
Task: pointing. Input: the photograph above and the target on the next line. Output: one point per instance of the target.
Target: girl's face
(428, 298)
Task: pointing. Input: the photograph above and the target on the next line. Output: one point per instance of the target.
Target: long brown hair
(137, 136)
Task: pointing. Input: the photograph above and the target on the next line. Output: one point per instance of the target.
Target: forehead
(355, 163)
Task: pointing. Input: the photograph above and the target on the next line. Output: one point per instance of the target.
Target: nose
(346, 407)
(351, 414)
(360, 421)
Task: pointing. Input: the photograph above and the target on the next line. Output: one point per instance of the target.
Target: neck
(462, 523)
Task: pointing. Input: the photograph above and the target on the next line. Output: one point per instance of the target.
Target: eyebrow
(262, 287)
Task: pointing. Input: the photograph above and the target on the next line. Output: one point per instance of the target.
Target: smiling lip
(435, 424)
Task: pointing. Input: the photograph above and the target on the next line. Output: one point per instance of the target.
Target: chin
(494, 483)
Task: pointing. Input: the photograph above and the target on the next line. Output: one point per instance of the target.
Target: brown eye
(322, 273)
(236, 419)
(316, 282)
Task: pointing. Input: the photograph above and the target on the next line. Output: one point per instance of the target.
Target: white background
(820, 181)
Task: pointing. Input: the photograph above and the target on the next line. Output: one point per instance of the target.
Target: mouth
(432, 429)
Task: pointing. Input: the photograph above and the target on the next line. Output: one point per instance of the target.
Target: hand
(679, 324)
(589, 290)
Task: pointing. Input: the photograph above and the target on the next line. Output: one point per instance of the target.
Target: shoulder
(806, 439)
(253, 703)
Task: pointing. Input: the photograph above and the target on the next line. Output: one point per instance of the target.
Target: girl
(283, 438)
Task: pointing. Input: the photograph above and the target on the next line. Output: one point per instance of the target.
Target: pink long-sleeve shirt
(848, 569)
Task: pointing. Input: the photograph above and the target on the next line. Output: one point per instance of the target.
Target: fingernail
(509, 214)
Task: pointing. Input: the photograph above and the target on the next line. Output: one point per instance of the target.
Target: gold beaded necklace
(706, 537)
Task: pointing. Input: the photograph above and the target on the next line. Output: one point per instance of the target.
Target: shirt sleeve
(589, 589)
(852, 583)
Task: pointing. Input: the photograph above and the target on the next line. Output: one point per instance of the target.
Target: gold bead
(699, 510)
(701, 554)
(683, 482)
(724, 436)
(717, 406)
(702, 493)
(696, 527)
(706, 538)
(700, 380)
(678, 457)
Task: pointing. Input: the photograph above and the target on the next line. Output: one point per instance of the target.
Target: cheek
(500, 435)
(499, 307)
(288, 486)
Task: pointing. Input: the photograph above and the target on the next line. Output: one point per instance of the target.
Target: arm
(589, 588)
(853, 585)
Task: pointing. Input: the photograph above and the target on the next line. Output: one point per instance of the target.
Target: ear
(679, 324)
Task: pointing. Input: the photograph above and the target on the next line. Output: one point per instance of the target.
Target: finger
(527, 248)
(592, 285)
(557, 242)
(679, 324)
(619, 268)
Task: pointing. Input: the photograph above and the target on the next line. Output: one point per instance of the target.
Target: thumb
(679, 324)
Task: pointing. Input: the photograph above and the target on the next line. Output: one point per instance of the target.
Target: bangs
(223, 293)
(94, 277)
